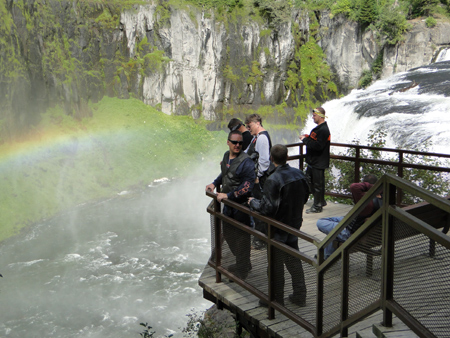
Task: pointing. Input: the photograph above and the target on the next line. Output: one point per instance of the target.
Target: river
(101, 269)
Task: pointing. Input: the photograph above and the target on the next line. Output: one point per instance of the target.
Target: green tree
(342, 6)
(275, 12)
(368, 12)
(393, 24)
(423, 7)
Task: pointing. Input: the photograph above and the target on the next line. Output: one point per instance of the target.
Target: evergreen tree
(423, 7)
(368, 12)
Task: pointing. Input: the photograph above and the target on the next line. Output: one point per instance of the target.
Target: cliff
(185, 60)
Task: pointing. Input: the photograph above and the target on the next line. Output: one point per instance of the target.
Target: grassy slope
(65, 162)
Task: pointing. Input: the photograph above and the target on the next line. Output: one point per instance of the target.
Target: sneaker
(297, 301)
(233, 269)
(314, 210)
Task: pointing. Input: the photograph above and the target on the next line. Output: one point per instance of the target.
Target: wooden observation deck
(394, 269)
(245, 306)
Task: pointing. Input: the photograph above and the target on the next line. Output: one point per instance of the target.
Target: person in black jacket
(237, 178)
(318, 158)
(284, 195)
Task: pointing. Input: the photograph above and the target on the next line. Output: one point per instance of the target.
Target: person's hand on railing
(210, 187)
(221, 196)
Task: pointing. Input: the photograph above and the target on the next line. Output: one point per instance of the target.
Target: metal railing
(404, 242)
(263, 289)
(363, 155)
(398, 261)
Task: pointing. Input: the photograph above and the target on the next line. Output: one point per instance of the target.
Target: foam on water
(412, 107)
(101, 269)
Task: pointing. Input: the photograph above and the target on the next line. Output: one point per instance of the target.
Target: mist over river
(101, 269)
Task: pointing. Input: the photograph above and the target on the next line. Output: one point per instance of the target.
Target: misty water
(101, 269)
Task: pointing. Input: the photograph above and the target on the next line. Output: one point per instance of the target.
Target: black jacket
(285, 193)
(318, 147)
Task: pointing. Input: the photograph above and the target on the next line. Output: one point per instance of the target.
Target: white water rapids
(412, 107)
(103, 268)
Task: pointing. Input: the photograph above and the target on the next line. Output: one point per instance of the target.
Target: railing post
(400, 174)
(218, 237)
(345, 257)
(300, 160)
(319, 305)
(388, 251)
(357, 164)
(270, 271)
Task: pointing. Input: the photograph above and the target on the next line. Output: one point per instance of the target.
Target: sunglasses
(237, 142)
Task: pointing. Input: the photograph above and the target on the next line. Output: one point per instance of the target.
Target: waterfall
(412, 107)
(444, 55)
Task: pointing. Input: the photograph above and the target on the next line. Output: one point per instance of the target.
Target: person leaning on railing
(237, 178)
(358, 190)
(284, 195)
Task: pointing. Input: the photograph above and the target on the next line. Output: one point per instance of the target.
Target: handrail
(358, 159)
(279, 225)
(388, 212)
(383, 218)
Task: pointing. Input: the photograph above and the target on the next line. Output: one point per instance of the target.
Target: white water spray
(412, 107)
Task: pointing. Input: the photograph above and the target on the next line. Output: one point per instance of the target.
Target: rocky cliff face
(182, 60)
(205, 60)
(421, 46)
(350, 51)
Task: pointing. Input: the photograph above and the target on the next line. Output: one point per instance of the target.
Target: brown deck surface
(245, 304)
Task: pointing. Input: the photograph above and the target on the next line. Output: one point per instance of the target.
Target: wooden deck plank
(246, 305)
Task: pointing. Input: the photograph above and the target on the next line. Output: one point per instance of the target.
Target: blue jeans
(326, 225)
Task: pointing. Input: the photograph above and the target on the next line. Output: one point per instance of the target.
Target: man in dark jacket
(318, 158)
(285, 193)
(237, 178)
